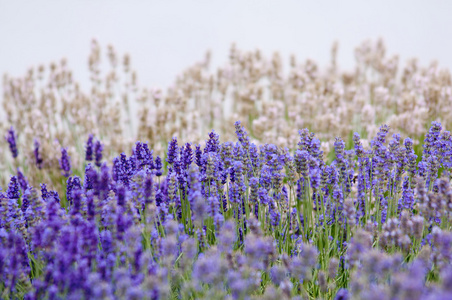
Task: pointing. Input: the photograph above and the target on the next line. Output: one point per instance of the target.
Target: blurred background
(164, 37)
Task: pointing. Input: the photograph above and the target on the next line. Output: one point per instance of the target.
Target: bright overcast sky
(165, 36)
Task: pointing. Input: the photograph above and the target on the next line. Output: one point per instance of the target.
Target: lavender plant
(234, 220)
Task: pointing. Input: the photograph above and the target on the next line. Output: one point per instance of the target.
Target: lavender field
(266, 178)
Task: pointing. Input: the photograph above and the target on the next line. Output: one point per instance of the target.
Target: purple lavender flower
(25, 200)
(37, 154)
(116, 170)
(234, 195)
(44, 192)
(432, 168)
(15, 262)
(276, 167)
(213, 207)
(121, 195)
(198, 155)
(341, 162)
(187, 156)
(65, 163)
(350, 211)
(106, 241)
(275, 215)
(172, 151)
(423, 169)
(11, 139)
(23, 182)
(359, 150)
(238, 174)
(314, 175)
(408, 143)
(342, 294)
(315, 150)
(172, 186)
(445, 150)
(411, 164)
(254, 192)
(407, 200)
(431, 140)
(301, 266)
(90, 177)
(305, 140)
(123, 168)
(13, 188)
(207, 269)
(384, 208)
(254, 155)
(98, 147)
(54, 195)
(210, 164)
(89, 148)
(244, 140)
(301, 162)
(73, 183)
(149, 189)
(339, 147)
(138, 151)
(76, 202)
(195, 196)
(213, 143)
(264, 199)
(148, 157)
(278, 273)
(158, 166)
(227, 236)
(266, 177)
(91, 206)
(380, 139)
(239, 286)
(104, 181)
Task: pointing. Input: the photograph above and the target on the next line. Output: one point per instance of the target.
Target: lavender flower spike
(65, 163)
(11, 139)
(38, 157)
(98, 147)
(89, 148)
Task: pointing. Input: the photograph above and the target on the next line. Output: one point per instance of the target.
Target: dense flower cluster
(236, 220)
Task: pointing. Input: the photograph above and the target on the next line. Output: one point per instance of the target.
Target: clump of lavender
(233, 220)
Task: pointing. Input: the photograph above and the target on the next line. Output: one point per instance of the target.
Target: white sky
(165, 36)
